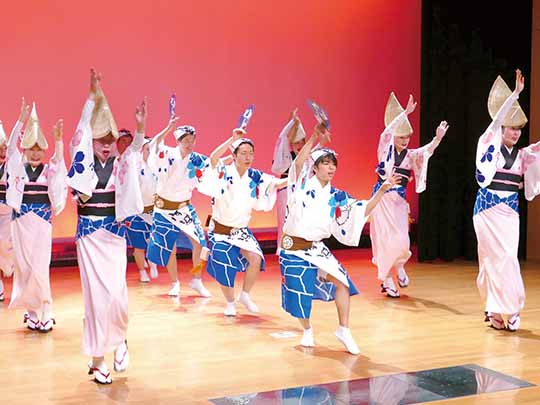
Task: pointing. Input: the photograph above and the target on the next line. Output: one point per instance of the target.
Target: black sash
(33, 174)
(2, 168)
(98, 198)
(500, 176)
(41, 198)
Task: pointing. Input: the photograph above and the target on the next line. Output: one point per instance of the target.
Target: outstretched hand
(25, 111)
(294, 115)
(58, 130)
(95, 79)
(238, 134)
(140, 115)
(391, 182)
(441, 130)
(520, 81)
(173, 123)
(411, 105)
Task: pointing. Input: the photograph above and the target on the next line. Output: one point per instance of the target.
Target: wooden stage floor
(187, 352)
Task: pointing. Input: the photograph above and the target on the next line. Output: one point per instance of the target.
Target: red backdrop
(218, 57)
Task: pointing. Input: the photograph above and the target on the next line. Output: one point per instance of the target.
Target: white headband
(240, 141)
(317, 153)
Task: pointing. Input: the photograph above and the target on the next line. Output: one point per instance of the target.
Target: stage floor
(186, 351)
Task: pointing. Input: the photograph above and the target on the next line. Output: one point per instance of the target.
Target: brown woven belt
(289, 242)
(164, 204)
(148, 210)
(223, 229)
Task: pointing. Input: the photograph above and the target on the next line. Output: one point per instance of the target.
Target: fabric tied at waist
(164, 204)
(289, 242)
(148, 209)
(405, 175)
(503, 181)
(222, 229)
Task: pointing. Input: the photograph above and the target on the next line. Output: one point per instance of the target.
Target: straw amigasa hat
(32, 133)
(102, 119)
(497, 96)
(393, 109)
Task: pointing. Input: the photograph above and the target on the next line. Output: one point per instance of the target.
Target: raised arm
(386, 137)
(16, 131)
(160, 137)
(440, 132)
(296, 123)
(507, 105)
(238, 133)
(140, 118)
(318, 132)
(58, 131)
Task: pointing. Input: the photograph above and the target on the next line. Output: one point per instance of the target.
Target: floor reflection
(404, 388)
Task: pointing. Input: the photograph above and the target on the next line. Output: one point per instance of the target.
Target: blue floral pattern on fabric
(380, 169)
(485, 199)
(390, 150)
(338, 199)
(488, 155)
(43, 211)
(256, 179)
(76, 165)
(197, 163)
(479, 176)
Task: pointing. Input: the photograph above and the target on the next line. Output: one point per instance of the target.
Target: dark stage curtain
(464, 48)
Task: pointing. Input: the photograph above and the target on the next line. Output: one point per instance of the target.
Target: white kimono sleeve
(57, 185)
(420, 159)
(267, 192)
(349, 217)
(282, 152)
(531, 170)
(16, 176)
(128, 195)
(81, 176)
(214, 180)
(489, 145)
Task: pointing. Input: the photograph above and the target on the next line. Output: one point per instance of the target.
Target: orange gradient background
(218, 57)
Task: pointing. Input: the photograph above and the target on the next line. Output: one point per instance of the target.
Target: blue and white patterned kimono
(177, 177)
(501, 172)
(234, 197)
(315, 213)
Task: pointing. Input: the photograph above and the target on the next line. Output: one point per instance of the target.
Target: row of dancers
(136, 191)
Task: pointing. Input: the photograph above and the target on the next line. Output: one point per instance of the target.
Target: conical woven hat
(497, 96)
(32, 133)
(393, 109)
(102, 119)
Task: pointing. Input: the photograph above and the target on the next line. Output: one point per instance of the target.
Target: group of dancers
(133, 190)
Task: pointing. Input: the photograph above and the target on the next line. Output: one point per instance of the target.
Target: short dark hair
(124, 132)
(327, 157)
